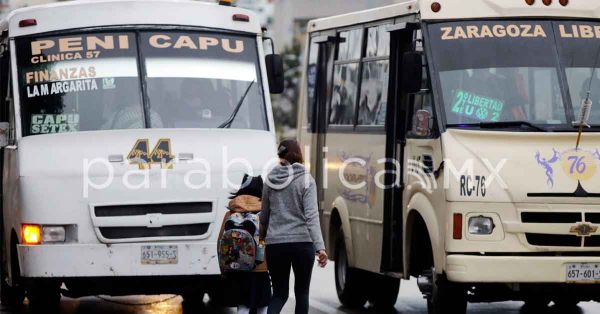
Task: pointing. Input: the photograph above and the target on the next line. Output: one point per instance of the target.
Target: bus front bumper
(511, 269)
(114, 260)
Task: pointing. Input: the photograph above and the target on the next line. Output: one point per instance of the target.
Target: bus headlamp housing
(481, 225)
(37, 234)
(53, 234)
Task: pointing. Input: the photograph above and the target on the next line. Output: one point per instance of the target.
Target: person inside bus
(249, 291)
(129, 115)
(341, 102)
(199, 106)
(500, 86)
(371, 108)
(290, 217)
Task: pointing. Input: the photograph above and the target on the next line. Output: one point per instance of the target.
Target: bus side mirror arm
(412, 72)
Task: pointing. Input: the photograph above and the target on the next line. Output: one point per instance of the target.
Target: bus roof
(96, 13)
(464, 9)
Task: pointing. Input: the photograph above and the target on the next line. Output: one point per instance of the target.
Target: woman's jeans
(280, 258)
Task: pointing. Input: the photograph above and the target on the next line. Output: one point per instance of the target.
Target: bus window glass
(311, 81)
(496, 71)
(345, 88)
(350, 46)
(580, 55)
(196, 80)
(374, 92)
(378, 41)
(79, 83)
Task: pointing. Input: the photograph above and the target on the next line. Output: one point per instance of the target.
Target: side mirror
(412, 72)
(4, 130)
(274, 64)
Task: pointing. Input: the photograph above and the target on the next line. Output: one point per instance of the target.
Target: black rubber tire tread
(351, 293)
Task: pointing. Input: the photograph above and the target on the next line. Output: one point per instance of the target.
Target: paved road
(323, 300)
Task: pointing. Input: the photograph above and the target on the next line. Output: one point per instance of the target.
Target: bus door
(323, 47)
(403, 40)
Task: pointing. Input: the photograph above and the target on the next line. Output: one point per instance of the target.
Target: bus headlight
(481, 225)
(53, 234)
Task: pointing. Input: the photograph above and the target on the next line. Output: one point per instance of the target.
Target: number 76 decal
(142, 156)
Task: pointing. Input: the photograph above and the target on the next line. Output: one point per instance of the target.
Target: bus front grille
(538, 239)
(151, 222)
(562, 240)
(544, 217)
(145, 209)
(117, 233)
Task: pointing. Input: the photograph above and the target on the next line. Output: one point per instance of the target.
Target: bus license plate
(159, 254)
(583, 272)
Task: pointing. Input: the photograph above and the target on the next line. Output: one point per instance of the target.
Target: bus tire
(192, 302)
(385, 292)
(566, 303)
(347, 279)
(535, 305)
(44, 296)
(445, 297)
(12, 296)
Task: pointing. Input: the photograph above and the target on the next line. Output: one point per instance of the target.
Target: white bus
(442, 137)
(125, 124)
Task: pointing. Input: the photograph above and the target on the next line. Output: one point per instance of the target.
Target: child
(251, 290)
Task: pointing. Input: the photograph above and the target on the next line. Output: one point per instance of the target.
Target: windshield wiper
(501, 125)
(229, 121)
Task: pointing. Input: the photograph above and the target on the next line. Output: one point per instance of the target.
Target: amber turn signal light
(32, 234)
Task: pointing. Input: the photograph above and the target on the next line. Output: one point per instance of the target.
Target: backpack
(239, 243)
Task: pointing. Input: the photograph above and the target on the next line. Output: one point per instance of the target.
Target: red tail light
(564, 3)
(547, 2)
(436, 7)
(530, 2)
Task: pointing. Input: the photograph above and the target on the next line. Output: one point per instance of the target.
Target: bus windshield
(512, 71)
(93, 81)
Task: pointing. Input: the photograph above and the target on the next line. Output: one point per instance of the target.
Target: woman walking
(291, 218)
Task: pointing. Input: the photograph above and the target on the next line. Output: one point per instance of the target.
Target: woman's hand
(323, 258)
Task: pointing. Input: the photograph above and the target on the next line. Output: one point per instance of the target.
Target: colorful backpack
(239, 243)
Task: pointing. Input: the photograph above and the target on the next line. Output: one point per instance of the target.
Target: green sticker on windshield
(476, 106)
(54, 123)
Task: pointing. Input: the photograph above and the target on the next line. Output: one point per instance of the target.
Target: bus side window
(345, 78)
(372, 105)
